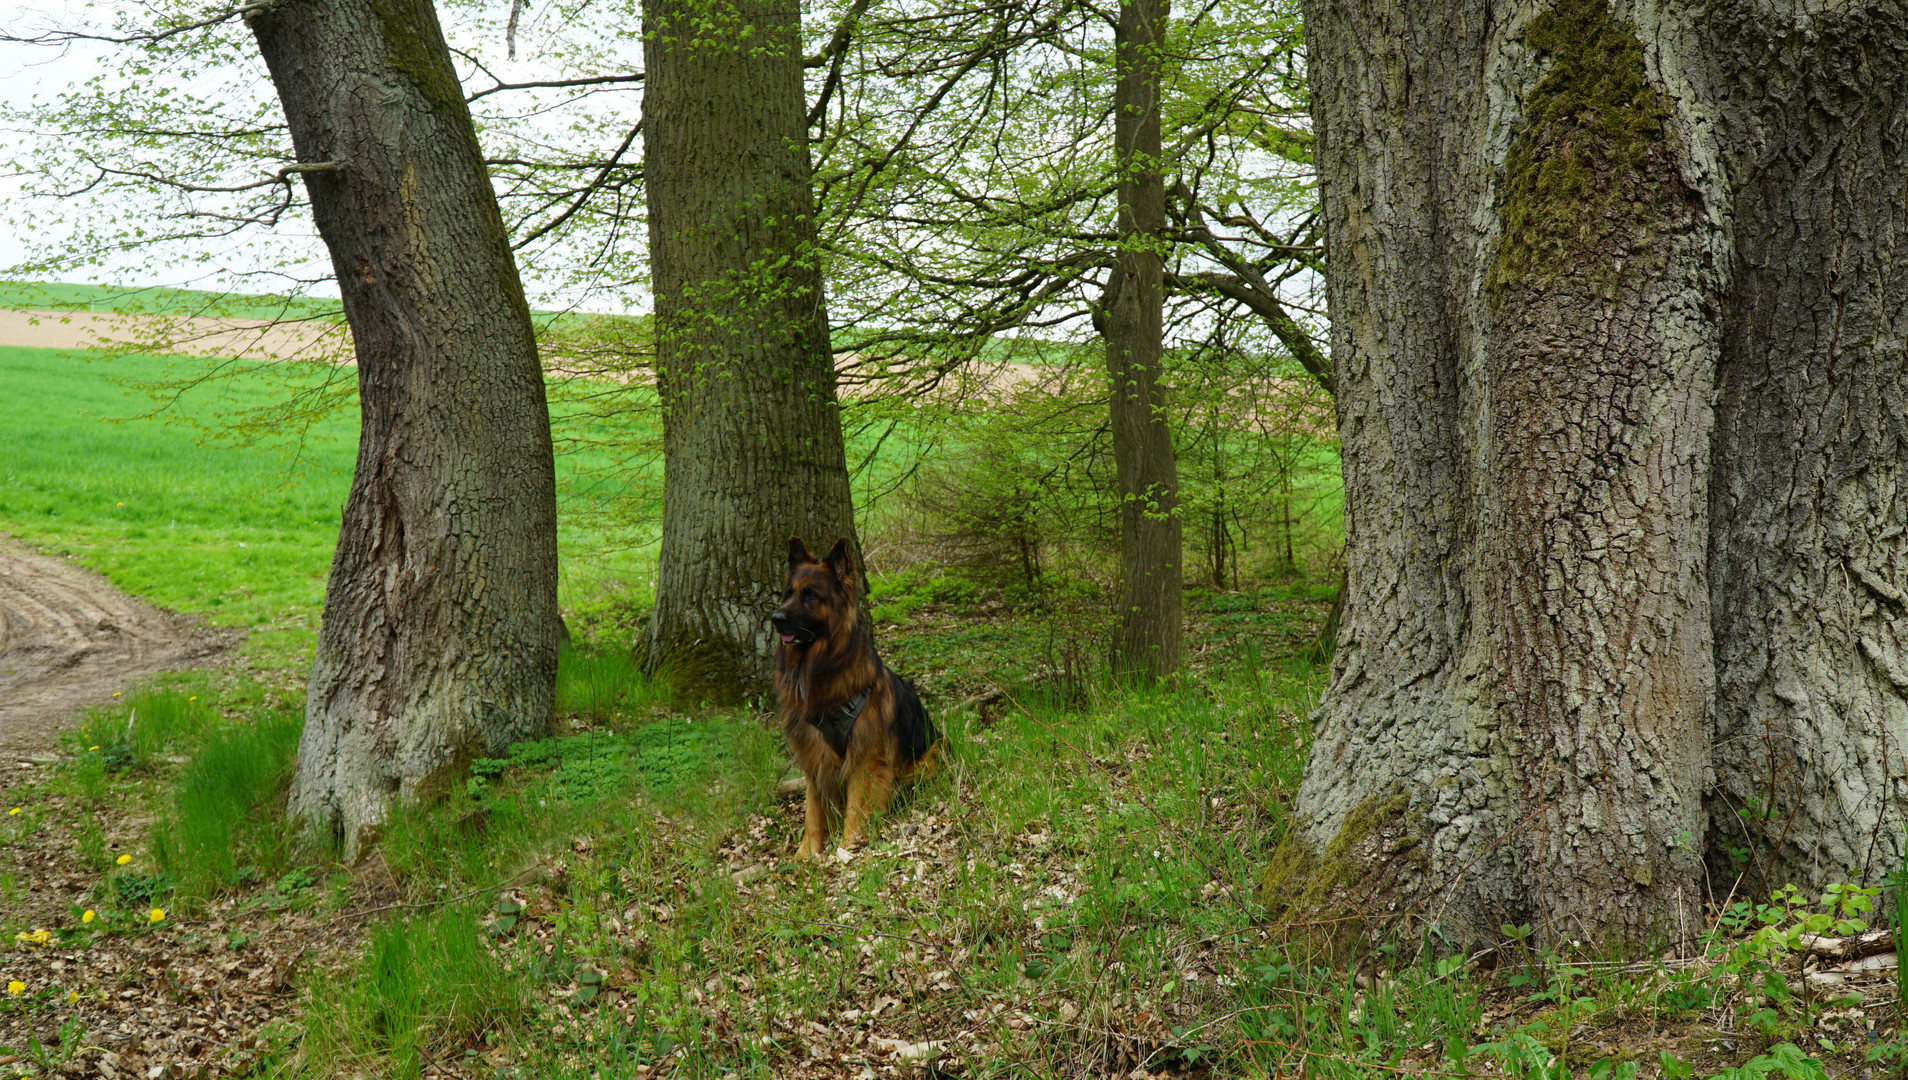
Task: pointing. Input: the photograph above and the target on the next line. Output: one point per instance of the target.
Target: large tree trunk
(440, 628)
(1146, 638)
(752, 438)
(1535, 300)
(1808, 552)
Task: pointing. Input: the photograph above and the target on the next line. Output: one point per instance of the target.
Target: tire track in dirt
(69, 640)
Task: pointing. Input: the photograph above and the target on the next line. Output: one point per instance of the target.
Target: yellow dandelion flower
(122, 504)
(72, 996)
(123, 860)
(13, 811)
(115, 693)
(156, 915)
(89, 916)
(194, 697)
(16, 988)
(92, 748)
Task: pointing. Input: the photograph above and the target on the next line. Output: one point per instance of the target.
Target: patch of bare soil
(69, 640)
(244, 339)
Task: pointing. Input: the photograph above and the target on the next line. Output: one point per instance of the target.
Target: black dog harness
(838, 723)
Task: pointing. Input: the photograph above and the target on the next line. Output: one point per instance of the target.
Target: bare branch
(833, 55)
(63, 37)
(601, 80)
(584, 196)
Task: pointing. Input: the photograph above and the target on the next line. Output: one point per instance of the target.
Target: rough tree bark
(440, 628)
(1589, 614)
(1146, 638)
(752, 438)
(1809, 548)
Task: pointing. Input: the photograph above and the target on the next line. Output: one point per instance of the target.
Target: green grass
(597, 682)
(565, 785)
(160, 301)
(425, 983)
(141, 728)
(238, 535)
(226, 827)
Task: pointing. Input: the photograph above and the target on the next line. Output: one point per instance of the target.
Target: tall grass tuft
(226, 826)
(601, 683)
(1901, 941)
(423, 984)
(139, 730)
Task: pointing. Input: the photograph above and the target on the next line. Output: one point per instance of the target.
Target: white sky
(29, 71)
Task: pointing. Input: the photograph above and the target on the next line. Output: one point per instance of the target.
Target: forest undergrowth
(1076, 893)
(1073, 894)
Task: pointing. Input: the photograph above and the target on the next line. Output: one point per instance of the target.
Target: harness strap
(838, 723)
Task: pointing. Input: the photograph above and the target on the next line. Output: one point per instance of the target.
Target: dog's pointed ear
(798, 554)
(841, 562)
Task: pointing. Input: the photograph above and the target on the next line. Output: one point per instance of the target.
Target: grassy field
(38, 296)
(240, 535)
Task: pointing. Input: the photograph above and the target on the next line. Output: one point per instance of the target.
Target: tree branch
(601, 80)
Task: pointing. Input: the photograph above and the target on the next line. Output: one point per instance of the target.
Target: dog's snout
(779, 617)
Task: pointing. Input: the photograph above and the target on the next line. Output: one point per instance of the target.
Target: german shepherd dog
(855, 728)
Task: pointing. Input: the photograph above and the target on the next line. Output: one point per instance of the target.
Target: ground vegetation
(1076, 894)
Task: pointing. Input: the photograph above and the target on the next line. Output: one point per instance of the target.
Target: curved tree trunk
(1146, 639)
(1579, 600)
(752, 439)
(440, 628)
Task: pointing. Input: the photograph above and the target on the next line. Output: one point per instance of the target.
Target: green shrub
(424, 984)
(226, 826)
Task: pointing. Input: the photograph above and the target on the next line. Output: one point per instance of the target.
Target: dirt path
(246, 339)
(69, 640)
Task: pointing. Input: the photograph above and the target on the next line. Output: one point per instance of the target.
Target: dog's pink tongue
(788, 639)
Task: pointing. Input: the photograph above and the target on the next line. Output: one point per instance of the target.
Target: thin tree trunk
(752, 438)
(1146, 639)
(1220, 538)
(440, 628)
